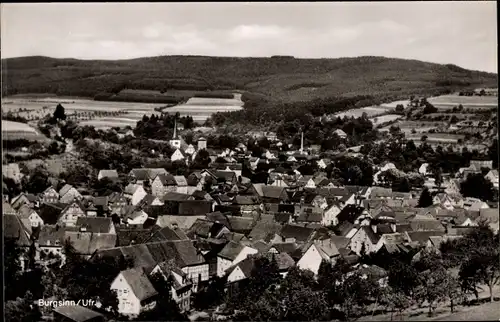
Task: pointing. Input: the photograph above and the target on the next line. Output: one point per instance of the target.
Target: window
(125, 291)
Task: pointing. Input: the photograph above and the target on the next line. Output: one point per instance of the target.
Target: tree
(395, 300)
(400, 108)
(425, 199)
(482, 266)
(38, 180)
(403, 185)
(432, 288)
(22, 309)
(477, 186)
(300, 298)
(59, 113)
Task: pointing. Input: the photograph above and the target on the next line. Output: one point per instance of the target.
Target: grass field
(370, 111)
(385, 118)
(201, 108)
(16, 130)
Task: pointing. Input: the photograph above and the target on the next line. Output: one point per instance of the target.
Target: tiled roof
(150, 254)
(175, 196)
(301, 234)
(139, 282)
(108, 174)
(128, 236)
(264, 231)
(95, 224)
(64, 190)
(78, 313)
(422, 236)
(167, 233)
(231, 250)
(86, 243)
(183, 222)
(194, 207)
(13, 228)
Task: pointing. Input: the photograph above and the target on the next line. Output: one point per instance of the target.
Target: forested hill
(278, 79)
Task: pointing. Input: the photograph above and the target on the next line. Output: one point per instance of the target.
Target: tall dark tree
(425, 199)
(59, 113)
(477, 186)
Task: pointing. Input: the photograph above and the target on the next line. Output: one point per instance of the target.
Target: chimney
(374, 228)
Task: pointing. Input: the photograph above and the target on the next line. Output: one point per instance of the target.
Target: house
(232, 254)
(365, 239)
(150, 200)
(8, 210)
(177, 155)
(310, 215)
(68, 194)
(474, 204)
(135, 193)
(380, 193)
(50, 195)
(270, 194)
(136, 217)
(141, 175)
(71, 213)
(117, 202)
(181, 185)
(324, 250)
(34, 219)
(110, 174)
(50, 240)
(492, 176)
(24, 199)
(96, 225)
(162, 184)
(340, 133)
(330, 215)
(13, 229)
(183, 252)
(181, 286)
(490, 216)
(264, 231)
(422, 237)
(76, 313)
(135, 292)
(294, 234)
(203, 228)
(323, 163)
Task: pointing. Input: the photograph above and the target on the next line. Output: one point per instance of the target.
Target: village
(215, 224)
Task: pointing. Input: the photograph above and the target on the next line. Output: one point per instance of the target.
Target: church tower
(175, 142)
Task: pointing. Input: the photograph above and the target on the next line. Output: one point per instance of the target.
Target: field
(200, 108)
(371, 111)
(447, 102)
(418, 126)
(90, 112)
(16, 130)
(437, 137)
(385, 118)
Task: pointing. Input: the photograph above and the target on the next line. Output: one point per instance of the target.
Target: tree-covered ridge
(280, 78)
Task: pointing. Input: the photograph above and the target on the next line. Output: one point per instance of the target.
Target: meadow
(385, 118)
(201, 108)
(16, 130)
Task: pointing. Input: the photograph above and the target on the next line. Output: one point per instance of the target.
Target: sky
(461, 33)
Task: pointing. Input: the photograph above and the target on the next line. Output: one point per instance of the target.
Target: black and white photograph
(250, 161)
